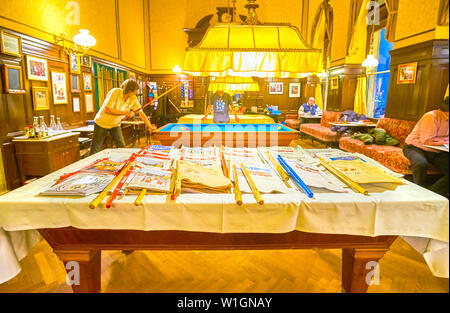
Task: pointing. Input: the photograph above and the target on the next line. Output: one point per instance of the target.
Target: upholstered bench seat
(389, 156)
(322, 132)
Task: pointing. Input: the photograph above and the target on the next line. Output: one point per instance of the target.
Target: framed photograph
(89, 100)
(87, 82)
(86, 60)
(74, 63)
(75, 83)
(334, 82)
(37, 68)
(407, 73)
(59, 87)
(294, 90)
(76, 104)
(12, 79)
(275, 88)
(40, 98)
(10, 44)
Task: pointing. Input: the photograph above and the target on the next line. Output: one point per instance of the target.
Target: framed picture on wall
(334, 82)
(37, 68)
(86, 60)
(276, 88)
(10, 44)
(294, 90)
(40, 98)
(12, 79)
(59, 87)
(89, 101)
(76, 104)
(74, 63)
(75, 83)
(407, 73)
(87, 82)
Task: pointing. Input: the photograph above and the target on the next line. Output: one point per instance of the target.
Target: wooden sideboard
(39, 157)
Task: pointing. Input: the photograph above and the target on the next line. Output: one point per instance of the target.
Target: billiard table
(232, 135)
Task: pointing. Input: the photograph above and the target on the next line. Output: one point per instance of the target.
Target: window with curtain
(379, 82)
(106, 78)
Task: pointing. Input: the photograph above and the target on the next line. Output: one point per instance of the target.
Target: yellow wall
(45, 18)
(417, 22)
(148, 36)
(168, 18)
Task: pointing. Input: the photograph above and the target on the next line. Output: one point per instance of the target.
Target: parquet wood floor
(292, 271)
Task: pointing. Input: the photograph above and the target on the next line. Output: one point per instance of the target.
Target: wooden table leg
(354, 271)
(89, 262)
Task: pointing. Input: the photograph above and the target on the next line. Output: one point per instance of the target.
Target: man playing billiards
(220, 101)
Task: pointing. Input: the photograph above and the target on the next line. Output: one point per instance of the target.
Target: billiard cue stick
(354, 186)
(280, 170)
(139, 198)
(252, 185)
(237, 191)
(104, 193)
(158, 97)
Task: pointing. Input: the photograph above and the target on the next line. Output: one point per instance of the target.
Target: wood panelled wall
(411, 101)
(343, 97)
(17, 110)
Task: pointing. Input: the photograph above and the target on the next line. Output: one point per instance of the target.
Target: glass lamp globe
(370, 62)
(84, 39)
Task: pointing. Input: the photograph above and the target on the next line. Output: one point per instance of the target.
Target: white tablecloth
(408, 211)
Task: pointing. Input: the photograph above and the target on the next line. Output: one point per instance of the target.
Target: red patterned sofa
(389, 156)
(322, 132)
(292, 121)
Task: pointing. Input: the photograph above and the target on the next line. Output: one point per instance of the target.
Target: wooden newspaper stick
(119, 187)
(354, 186)
(62, 177)
(252, 185)
(280, 170)
(104, 193)
(237, 191)
(177, 182)
(226, 173)
(140, 197)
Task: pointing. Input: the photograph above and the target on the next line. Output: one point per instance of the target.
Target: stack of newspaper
(197, 178)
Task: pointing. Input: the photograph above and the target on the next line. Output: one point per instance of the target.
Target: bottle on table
(52, 123)
(58, 124)
(43, 126)
(36, 128)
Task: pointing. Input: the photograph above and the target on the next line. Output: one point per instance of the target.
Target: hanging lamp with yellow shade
(252, 49)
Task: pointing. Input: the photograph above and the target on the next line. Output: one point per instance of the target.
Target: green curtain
(106, 78)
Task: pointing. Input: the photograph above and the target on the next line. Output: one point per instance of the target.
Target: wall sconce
(177, 69)
(82, 39)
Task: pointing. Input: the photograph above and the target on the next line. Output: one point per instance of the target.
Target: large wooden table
(84, 246)
(362, 226)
